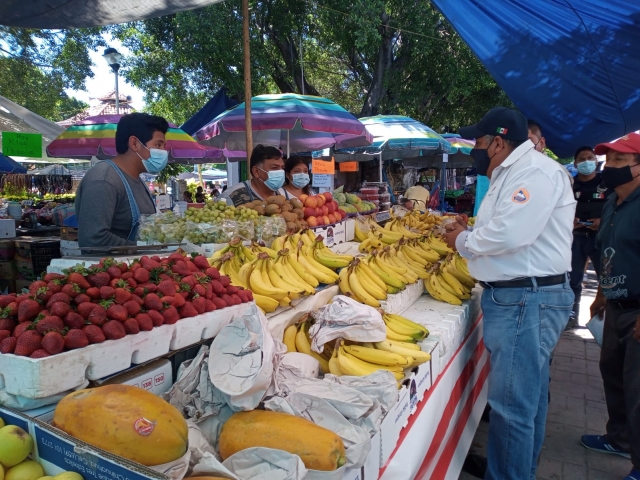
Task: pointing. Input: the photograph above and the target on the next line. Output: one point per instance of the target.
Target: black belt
(624, 304)
(527, 282)
(579, 233)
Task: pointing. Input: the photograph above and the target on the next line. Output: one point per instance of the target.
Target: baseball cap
(630, 143)
(500, 121)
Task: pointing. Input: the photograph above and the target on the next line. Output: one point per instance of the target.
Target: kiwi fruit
(272, 209)
(260, 209)
(287, 207)
(303, 224)
(296, 203)
(299, 212)
(276, 200)
(291, 226)
(289, 216)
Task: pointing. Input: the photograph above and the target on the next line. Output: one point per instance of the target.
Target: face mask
(615, 177)
(481, 160)
(275, 180)
(300, 180)
(587, 167)
(157, 159)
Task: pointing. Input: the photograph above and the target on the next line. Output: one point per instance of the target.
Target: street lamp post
(113, 58)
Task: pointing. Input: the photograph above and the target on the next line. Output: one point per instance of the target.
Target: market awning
(571, 66)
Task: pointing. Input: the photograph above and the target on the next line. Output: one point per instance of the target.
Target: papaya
(319, 448)
(126, 421)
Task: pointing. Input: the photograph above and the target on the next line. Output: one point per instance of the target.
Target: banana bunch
(393, 280)
(362, 284)
(362, 361)
(256, 248)
(286, 266)
(437, 244)
(372, 242)
(326, 257)
(304, 256)
(362, 230)
(402, 329)
(414, 258)
(236, 247)
(418, 221)
(296, 339)
(451, 281)
(391, 264)
(396, 225)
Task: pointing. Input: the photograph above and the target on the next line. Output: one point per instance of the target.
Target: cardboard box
(24, 270)
(69, 233)
(340, 231)
(7, 228)
(350, 230)
(155, 376)
(44, 414)
(7, 270)
(22, 284)
(392, 424)
(371, 467)
(70, 248)
(7, 249)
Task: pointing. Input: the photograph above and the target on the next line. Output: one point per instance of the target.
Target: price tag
(348, 166)
(163, 202)
(323, 167)
(22, 144)
(321, 181)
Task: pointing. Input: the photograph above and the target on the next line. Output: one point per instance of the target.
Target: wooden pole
(247, 81)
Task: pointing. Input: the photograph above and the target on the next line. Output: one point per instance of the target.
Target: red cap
(630, 143)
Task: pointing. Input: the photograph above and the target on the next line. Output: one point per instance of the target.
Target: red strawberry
(232, 289)
(59, 309)
(249, 296)
(114, 330)
(78, 279)
(152, 302)
(107, 292)
(200, 276)
(53, 343)
(6, 300)
(126, 276)
(40, 353)
(208, 291)
(81, 298)
(137, 299)
(148, 263)
(131, 326)
(37, 285)
(54, 286)
(212, 273)
(59, 297)
(224, 280)
(28, 310)
(156, 258)
(200, 304)
(115, 282)
(93, 292)
(99, 279)
(219, 302)
(98, 315)
(189, 280)
(21, 328)
(192, 266)
(43, 294)
(199, 290)
(141, 275)
(178, 301)
(133, 308)
(167, 300)
(85, 309)
(209, 306)
(122, 296)
(180, 268)
(156, 317)
(131, 284)
(188, 310)
(94, 334)
(74, 320)
(4, 334)
(28, 342)
(201, 262)
(177, 257)
(75, 339)
(8, 345)
(49, 277)
(236, 299)
(117, 312)
(167, 287)
(163, 276)
(49, 324)
(170, 315)
(150, 287)
(144, 322)
(227, 299)
(7, 324)
(114, 272)
(10, 310)
(124, 268)
(217, 287)
(71, 289)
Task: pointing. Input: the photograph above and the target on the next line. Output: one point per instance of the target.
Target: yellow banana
(343, 282)
(361, 294)
(292, 261)
(303, 346)
(457, 287)
(443, 294)
(350, 365)
(267, 304)
(278, 244)
(402, 329)
(333, 364)
(375, 278)
(378, 357)
(259, 286)
(365, 245)
(287, 272)
(419, 270)
(398, 336)
(333, 262)
(290, 338)
(285, 302)
(279, 282)
(407, 322)
(371, 288)
(360, 235)
(407, 345)
(392, 281)
(322, 273)
(417, 355)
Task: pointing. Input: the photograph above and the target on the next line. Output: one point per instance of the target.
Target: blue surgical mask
(275, 180)
(587, 167)
(157, 160)
(300, 180)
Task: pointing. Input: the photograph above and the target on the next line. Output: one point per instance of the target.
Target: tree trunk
(291, 56)
(385, 58)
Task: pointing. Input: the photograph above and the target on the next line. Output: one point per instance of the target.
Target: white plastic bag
(209, 465)
(260, 463)
(596, 327)
(348, 319)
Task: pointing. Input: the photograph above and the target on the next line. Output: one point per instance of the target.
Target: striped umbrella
(293, 123)
(459, 144)
(96, 137)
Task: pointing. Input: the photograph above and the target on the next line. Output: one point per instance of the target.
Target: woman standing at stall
(296, 170)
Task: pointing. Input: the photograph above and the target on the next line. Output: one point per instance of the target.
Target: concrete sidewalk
(577, 407)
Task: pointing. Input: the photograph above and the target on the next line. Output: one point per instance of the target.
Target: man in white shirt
(520, 251)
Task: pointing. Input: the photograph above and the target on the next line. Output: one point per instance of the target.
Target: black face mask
(481, 160)
(614, 177)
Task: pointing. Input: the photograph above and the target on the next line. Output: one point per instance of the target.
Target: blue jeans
(521, 329)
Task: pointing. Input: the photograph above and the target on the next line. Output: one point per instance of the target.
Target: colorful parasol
(293, 123)
(458, 143)
(96, 137)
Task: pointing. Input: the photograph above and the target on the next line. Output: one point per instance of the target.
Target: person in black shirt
(591, 197)
(619, 297)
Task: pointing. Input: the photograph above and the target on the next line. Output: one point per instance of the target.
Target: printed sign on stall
(323, 167)
(348, 166)
(323, 181)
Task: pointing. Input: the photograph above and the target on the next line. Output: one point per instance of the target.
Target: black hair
(534, 127)
(292, 162)
(139, 125)
(585, 148)
(261, 153)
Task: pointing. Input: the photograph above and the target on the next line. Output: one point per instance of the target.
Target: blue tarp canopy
(218, 104)
(9, 165)
(573, 66)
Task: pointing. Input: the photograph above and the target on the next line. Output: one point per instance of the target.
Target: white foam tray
(397, 303)
(44, 377)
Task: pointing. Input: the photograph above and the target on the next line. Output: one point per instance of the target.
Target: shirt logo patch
(520, 196)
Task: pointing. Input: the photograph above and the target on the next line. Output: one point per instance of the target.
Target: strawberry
(78, 279)
(201, 277)
(199, 290)
(148, 263)
(53, 343)
(156, 317)
(6, 300)
(227, 299)
(98, 315)
(7, 324)
(28, 310)
(75, 339)
(59, 309)
(49, 324)
(177, 257)
(50, 277)
(236, 299)
(178, 301)
(115, 282)
(131, 284)
(133, 308)
(150, 287)
(28, 342)
(114, 272)
(232, 289)
(189, 280)
(9, 311)
(124, 268)
(249, 295)
(141, 275)
(117, 312)
(224, 280)
(217, 287)
(200, 304)
(93, 292)
(188, 310)
(201, 262)
(54, 286)
(122, 296)
(152, 302)
(212, 273)
(126, 276)
(144, 322)
(43, 294)
(242, 295)
(74, 320)
(164, 277)
(170, 315)
(209, 306)
(21, 328)
(71, 289)
(208, 294)
(156, 258)
(114, 330)
(99, 279)
(40, 353)
(4, 334)
(59, 297)
(167, 287)
(219, 302)
(137, 299)
(131, 326)
(180, 268)
(8, 345)
(85, 309)
(192, 266)
(94, 334)
(107, 292)
(168, 300)
(81, 298)
(37, 285)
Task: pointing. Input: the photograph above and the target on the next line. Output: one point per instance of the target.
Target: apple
(309, 212)
(312, 221)
(335, 204)
(303, 197)
(27, 470)
(15, 445)
(325, 210)
(328, 196)
(310, 202)
(320, 199)
(330, 208)
(342, 213)
(326, 220)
